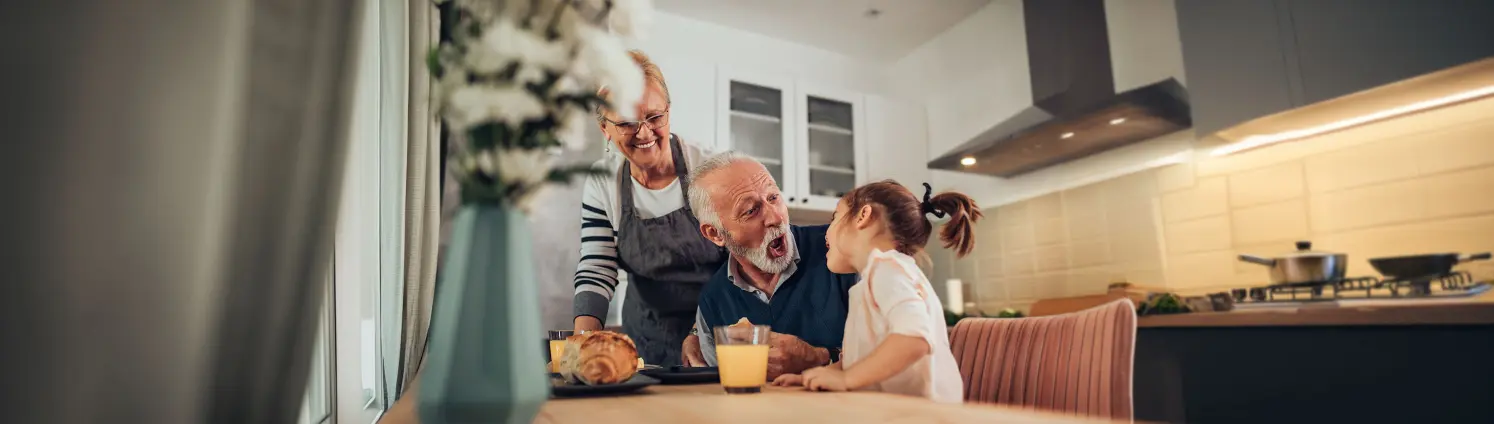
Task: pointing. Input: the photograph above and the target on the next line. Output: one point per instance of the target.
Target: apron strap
(681, 171)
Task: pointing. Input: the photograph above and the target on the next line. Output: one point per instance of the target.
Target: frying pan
(1422, 265)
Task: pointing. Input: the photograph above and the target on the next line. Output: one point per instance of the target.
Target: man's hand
(690, 352)
(588, 323)
(789, 355)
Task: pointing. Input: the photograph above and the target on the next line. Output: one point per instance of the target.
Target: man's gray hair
(700, 197)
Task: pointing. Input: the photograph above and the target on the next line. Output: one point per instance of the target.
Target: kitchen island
(1409, 361)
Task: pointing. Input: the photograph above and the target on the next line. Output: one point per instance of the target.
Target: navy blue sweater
(810, 305)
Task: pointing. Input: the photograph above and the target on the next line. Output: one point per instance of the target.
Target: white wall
(679, 38)
(969, 77)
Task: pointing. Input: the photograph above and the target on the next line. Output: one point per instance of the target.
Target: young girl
(895, 337)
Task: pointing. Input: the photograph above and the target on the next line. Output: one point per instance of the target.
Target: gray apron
(667, 260)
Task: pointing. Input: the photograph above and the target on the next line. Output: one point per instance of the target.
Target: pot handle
(1475, 257)
(1258, 260)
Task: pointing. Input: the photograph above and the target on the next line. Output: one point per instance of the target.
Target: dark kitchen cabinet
(1245, 59)
(1346, 46)
(1232, 54)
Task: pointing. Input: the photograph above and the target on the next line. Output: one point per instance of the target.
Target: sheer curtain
(422, 196)
(408, 196)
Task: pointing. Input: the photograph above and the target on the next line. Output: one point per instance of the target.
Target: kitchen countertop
(1477, 310)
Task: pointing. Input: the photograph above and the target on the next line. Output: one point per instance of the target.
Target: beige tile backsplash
(1209, 197)
(1418, 184)
(1282, 222)
(1266, 185)
(1199, 235)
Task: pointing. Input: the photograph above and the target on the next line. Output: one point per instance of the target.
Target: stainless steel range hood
(1075, 109)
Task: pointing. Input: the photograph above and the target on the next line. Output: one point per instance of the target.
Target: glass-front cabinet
(809, 138)
(831, 138)
(759, 125)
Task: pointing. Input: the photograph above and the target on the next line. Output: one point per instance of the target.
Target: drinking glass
(557, 347)
(742, 357)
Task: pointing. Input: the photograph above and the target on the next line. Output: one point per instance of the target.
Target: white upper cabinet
(810, 138)
(756, 116)
(831, 145)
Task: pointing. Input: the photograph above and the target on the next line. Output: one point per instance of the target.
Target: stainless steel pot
(1303, 266)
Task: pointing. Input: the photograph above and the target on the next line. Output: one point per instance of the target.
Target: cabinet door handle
(805, 200)
(791, 199)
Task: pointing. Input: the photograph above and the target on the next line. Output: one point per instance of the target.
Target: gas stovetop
(1451, 285)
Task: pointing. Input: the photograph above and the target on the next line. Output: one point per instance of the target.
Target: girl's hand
(825, 379)
(789, 380)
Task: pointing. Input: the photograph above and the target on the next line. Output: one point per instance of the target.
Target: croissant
(599, 357)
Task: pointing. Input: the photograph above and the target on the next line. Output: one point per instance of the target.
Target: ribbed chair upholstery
(1079, 362)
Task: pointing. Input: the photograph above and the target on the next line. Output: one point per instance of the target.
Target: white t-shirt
(894, 297)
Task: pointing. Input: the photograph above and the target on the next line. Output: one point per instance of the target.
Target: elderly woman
(637, 218)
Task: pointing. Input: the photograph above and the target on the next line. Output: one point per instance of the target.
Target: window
(317, 408)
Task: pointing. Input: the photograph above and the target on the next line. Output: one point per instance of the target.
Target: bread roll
(599, 357)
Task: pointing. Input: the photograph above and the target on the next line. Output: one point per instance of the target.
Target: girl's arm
(889, 358)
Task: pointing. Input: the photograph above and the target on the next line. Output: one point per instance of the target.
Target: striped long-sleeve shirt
(597, 273)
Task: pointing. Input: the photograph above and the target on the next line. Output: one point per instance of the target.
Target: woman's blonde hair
(651, 73)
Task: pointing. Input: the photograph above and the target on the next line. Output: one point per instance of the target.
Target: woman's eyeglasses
(633, 127)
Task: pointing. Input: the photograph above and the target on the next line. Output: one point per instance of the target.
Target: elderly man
(775, 274)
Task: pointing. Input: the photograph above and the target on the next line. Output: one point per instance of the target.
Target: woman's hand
(825, 379)
(588, 323)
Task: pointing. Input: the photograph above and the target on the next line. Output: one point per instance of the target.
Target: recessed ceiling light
(1117, 121)
(1067, 135)
(967, 161)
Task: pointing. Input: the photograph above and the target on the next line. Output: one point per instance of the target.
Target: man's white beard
(758, 256)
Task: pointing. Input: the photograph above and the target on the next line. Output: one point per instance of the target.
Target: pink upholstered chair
(1079, 362)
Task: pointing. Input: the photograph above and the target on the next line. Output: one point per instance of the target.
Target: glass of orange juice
(557, 347)
(742, 357)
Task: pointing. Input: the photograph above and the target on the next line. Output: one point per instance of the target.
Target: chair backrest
(1078, 362)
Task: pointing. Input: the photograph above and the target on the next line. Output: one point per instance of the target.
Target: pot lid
(1304, 249)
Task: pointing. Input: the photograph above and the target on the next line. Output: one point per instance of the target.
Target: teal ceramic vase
(485, 361)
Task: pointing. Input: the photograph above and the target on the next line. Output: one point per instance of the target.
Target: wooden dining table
(708, 403)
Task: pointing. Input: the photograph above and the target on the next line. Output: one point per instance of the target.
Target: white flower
(472, 105)
(567, 85)
(528, 74)
(526, 167)
(606, 62)
(465, 106)
(482, 9)
(507, 41)
(469, 164)
(487, 163)
(449, 83)
(484, 61)
(630, 18)
(572, 131)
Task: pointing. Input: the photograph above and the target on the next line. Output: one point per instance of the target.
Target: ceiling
(840, 26)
